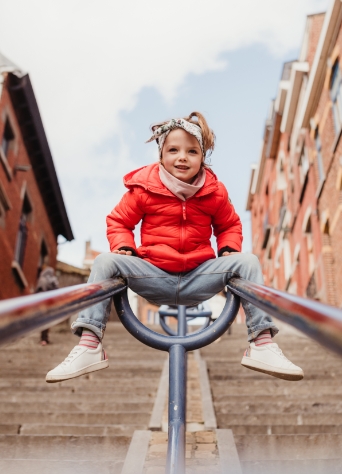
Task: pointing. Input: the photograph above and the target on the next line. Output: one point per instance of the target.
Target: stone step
(76, 418)
(273, 419)
(9, 428)
(41, 466)
(309, 367)
(284, 429)
(32, 374)
(306, 466)
(76, 396)
(294, 407)
(105, 385)
(67, 448)
(247, 375)
(92, 406)
(223, 390)
(77, 429)
(269, 399)
(69, 429)
(287, 447)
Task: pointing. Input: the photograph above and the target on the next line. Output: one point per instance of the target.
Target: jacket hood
(148, 178)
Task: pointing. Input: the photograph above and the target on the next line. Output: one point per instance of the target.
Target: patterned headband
(162, 132)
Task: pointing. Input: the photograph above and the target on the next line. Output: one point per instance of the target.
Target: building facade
(32, 211)
(295, 193)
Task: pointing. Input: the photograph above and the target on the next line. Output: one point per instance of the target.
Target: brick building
(295, 193)
(32, 211)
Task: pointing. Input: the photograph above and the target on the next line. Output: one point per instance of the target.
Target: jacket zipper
(183, 226)
(184, 210)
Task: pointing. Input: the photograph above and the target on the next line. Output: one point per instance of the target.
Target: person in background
(47, 281)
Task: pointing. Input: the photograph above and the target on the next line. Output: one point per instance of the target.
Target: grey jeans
(162, 287)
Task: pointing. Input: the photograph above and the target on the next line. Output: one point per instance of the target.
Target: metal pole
(175, 463)
(182, 326)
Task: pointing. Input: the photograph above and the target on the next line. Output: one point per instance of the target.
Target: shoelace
(70, 356)
(280, 352)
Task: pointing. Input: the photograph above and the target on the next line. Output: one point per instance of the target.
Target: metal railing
(319, 321)
(20, 316)
(177, 346)
(23, 315)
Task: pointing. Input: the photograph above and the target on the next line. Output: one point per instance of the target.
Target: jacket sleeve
(226, 224)
(122, 221)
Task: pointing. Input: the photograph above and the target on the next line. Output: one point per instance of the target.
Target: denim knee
(102, 259)
(251, 259)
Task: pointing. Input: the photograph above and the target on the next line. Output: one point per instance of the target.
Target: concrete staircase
(279, 427)
(86, 425)
(80, 426)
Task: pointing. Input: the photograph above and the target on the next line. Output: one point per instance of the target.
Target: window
(266, 231)
(281, 178)
(320, 166)
(7, 137)
(282, 213)
(4, 206)
(309, 245)
(287, 260)
(20, 247)
(336, 95)
(303, 166)
(152, 317)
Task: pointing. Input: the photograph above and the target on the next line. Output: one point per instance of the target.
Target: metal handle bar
(22, 315)
(191, 342)
(171, 332)
(191, 313)
(319, 321)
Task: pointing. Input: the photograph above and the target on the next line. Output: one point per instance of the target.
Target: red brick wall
(39, 226)
(315, 27)
(326, 208)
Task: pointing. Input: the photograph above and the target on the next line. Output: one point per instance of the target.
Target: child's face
(182, 155)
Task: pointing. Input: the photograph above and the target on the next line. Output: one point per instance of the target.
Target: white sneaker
(270, 360)
(80, 361)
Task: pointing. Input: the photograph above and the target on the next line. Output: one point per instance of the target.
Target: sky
(104, 71)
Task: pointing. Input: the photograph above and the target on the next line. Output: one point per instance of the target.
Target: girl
(179, 201)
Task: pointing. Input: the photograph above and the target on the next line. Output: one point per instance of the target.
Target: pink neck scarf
(180, 189)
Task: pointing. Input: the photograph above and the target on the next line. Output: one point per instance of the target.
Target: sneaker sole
(86, 370)
(269, 370)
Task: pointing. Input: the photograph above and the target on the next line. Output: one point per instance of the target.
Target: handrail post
(175, 463)
(177, 346)
(177, 400)
(182, 324)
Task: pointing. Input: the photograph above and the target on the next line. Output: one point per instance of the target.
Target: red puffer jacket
(175, 234)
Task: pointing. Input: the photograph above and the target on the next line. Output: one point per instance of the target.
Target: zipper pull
(184, 211)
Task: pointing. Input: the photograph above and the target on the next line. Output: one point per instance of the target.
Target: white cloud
(89, 60)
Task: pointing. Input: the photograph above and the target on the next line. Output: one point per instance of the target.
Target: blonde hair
(207, 134)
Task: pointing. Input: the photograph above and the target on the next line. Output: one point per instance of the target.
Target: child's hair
(207, 134)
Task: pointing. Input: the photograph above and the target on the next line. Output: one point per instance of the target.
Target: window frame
(336, 95)
(320, 162)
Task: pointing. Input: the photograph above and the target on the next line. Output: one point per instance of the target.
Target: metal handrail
(190, 342)
(25, 314)
(319, 321)
(192, 312)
